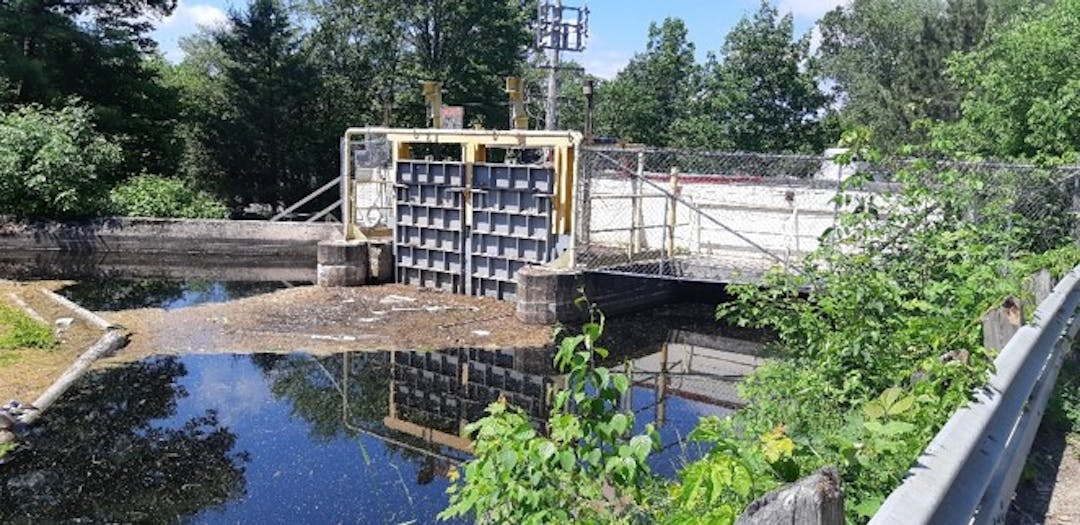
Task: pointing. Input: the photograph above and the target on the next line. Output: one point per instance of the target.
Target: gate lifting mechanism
(467, 226)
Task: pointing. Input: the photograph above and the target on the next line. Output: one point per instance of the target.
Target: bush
(52, 162)
(155, 196)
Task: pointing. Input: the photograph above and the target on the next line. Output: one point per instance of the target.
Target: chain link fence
(732, 216)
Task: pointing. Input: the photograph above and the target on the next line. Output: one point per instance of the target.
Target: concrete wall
(548, 296)
(785, 217)
(172, 236)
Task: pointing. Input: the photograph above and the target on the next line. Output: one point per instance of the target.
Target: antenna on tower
(559, 28)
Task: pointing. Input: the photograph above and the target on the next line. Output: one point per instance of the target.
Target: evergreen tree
(268, 141)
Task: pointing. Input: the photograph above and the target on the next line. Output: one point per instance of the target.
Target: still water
(362, 437)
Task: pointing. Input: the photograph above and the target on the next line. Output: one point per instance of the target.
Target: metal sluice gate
(466, 225)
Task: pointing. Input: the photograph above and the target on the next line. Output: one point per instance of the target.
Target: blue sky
(618, 27)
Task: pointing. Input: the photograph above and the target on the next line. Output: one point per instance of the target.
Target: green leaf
(547, 450)
(508, 459)
(868, 507)
(741, 480)
(620, 423)
(641, 446)
(567, 460)
(621, 382)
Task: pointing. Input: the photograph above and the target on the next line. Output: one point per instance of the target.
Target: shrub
(155, 196)
(52, 162)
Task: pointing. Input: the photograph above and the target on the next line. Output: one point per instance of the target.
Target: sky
(618, 28)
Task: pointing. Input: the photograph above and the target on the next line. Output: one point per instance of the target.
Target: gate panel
(429, 230)
(511, 226)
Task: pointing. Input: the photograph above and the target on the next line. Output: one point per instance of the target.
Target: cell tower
(559, 28)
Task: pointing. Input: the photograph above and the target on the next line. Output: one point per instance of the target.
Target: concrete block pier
(342, 263)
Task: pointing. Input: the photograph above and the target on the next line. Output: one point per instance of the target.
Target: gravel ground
(1050, 490)
(325, 320)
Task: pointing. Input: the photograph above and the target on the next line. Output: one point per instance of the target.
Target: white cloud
(195, 16)
(186, 19)
(809, 9)
(604, 64)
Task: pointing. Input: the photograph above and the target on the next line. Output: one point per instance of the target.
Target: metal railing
(699, 215)
(739, 214)
(312, 196)
(969, 471)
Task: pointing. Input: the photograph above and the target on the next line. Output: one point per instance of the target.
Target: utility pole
(559, 29)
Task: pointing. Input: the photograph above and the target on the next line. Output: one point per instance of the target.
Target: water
(362, 437)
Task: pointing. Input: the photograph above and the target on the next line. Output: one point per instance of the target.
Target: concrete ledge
(190, 236)
(547, 296)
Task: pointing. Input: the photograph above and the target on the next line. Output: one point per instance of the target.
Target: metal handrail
(311, 196)
(969, 471)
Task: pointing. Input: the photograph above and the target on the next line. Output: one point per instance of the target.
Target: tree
(52, 50)
(373, 55)
(886, 59)
(759, 95)
(268, 140)
(653, 90)
(570, 99)
(359, 49)
(470, 46)
(1021, 91)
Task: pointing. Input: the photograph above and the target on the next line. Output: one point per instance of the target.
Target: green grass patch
(19, 331)
(5, 448)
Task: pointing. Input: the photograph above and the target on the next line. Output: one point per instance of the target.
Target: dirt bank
(24, 374)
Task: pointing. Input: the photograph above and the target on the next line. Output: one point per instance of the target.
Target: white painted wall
(783, 218)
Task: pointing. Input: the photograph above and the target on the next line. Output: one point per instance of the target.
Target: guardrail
(969, 471)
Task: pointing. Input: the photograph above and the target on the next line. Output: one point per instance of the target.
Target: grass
(18, 332)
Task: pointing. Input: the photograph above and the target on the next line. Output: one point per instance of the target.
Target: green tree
(359, 49)
(1022, 89)
(759, 95)
(646, 98)
(571, 98)
(886, 59)
(52, 162)
(51, 50)
(373, 55)
(200, 84)
(267, 139)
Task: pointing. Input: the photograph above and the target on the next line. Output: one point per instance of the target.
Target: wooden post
(661, 388)
(1001, 323)
(813, 500)
(672, 215)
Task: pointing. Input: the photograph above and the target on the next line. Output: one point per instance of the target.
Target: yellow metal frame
(474, 145)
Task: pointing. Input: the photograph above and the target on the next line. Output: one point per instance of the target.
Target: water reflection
(366, 437)
(105, 455)
(124, 294)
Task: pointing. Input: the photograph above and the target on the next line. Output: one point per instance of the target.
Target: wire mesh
(732, 216)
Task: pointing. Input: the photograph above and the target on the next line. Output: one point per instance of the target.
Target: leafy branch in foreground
(588, 466)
